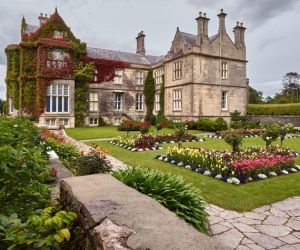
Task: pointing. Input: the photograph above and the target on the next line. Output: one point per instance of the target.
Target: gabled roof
(123, 56)
(189, 38)
(192, 39)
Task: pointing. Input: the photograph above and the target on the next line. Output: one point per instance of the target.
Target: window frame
(118, 78)
(54, 95)
(139, 102)
(224, 108)
(139, 77)
(224, 70)
(61, 62)
(158, 76)
(177, 70)
(117, 104)
(177, 100)
(157, 102)
(93, 123)
(93, 102)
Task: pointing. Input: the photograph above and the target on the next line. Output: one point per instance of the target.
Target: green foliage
(274, 109)
(23, 174)
(149, 93)
(161, 113)
(152, 119)
(83, 74)
(171, 191)
(220, 125)
(255, 96)
(16, 131)
(144, 129)
(284, 130)
(271, 133)
(43, 230)
(91, 164)
(234, 139)
(67, 153)
(101, 122)
(205, 125)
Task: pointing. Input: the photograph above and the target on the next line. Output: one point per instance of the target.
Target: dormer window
(118, 79)
(58, 34)
(58, 59)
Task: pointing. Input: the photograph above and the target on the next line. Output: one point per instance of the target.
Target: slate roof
(192, 39)
(123, 56)
(30, 28)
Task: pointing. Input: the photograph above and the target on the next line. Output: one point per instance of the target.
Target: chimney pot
(140, 44)
(237, 23)
(222, 11)
(200, 13)
(242, 24)
(204, 14)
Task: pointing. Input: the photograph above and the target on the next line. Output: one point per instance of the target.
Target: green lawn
(239, 198)
(109, 132)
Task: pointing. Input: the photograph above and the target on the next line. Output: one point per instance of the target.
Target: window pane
(60, 104)
(53, 103)
(66, 104)
(48, 104)
(54, 89)
(66, 90)
(59, 89)
(48, 90)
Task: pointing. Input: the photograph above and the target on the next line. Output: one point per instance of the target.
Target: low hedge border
(246, 136)
(274, 109)
(227, 179)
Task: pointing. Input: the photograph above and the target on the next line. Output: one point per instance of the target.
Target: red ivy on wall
(105, 68)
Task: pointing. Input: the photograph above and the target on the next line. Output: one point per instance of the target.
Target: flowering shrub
(234, 139)
(149, 140)
(246, 164)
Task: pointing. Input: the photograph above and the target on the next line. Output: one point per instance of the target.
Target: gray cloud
(254, 11)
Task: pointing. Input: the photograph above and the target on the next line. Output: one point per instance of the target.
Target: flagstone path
(275, 226)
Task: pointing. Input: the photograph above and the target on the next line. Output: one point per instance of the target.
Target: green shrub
(220, 125)
(91, 164)
(23, 174)
(101, 122)
(43, 230)
(18, 130)
(128, 125)
(205, 125)
(153, 119)
(234, 139)
(65, 152)
(144, 129)
(169, 190)
(274, 109)
(271, 133)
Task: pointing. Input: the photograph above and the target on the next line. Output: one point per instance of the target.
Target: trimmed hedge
(274, 109)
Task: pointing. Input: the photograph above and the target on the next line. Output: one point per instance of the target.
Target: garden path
(275, 226)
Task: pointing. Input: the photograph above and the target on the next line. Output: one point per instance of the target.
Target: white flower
(180, 164)
(141, 150)
(233, 181)
(16, 125)
(298, 167)
(207, 172)
(293, 170)
(173, 161)
(147, 149)
(273, 173)
(172, 142)
(187, 167)
(284, 172)
(157, 143)
(218, 176)
(262, 176)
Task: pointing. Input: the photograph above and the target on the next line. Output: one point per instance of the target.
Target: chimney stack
(43, 18)
(202, 21)
(222, 16)
(140, 44)
(239, 35)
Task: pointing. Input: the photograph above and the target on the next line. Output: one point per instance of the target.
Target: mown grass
(239, 198)
(110, 132)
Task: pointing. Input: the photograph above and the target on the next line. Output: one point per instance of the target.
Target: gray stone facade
(211, 68)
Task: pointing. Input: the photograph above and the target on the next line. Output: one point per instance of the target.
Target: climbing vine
(149, 93)
(84, 73)
(161, 113)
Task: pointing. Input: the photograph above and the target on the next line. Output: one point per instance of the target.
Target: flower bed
(150, 142)
(248, 165)
(246, 133)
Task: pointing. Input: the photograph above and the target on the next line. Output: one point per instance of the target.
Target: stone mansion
(204, 76)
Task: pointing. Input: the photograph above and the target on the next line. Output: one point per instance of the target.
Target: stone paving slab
(275, 226)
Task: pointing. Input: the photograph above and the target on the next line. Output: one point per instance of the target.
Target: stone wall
(283, 119)
(115, 216)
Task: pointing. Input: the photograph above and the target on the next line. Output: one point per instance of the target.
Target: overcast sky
(272, 36)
